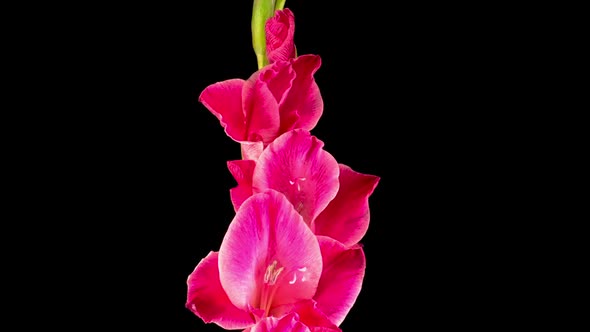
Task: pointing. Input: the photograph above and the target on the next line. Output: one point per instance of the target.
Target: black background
(137, 175)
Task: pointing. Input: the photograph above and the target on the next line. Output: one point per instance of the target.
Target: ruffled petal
(280, 32)
(296, 165)
(224, 100)
(207, 299)
(304, 104)
(242, 171)
(279, 79)
(346, 218)
(308, 313)
(258, 265)
(261, 110)
(342, 278)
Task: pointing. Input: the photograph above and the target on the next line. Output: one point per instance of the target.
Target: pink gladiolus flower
(332, 198)
(269, 265)
(290, 259)
(280, 32)
(275, 99)
(296, 165)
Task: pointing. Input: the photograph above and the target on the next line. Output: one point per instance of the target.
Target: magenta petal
(278, 77)
(261, 110)
(224, 100)
(311, 315)
(304, 104)
(291, 322)
(325, 329)
(207, 299)
(280, 32)
(288, 323)
(251, 150)
(342, 278)
(346, 218)
(297, 165)
(242, 171)
(258, 265)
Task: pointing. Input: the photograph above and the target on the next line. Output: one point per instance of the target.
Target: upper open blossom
(280, 32)
(296, 165)
(267, 273)
(275, 99)
(331, 197)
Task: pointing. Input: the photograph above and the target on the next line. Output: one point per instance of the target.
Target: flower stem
(261, 12)
(280, 4)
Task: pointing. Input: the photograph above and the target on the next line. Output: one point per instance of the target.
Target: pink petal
(251, 150)
(207, 299)
(325, 329)
(261, 110)
(342, 278)
(296, 165)
(346, 218)
(304, 104)
(289, 323)
(310, 314)
(242, 171)
(280, 32)
(259, 266)
(279, 78)
(224, 100)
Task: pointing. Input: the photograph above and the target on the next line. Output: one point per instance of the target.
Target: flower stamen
(272, 273)
(268, 290)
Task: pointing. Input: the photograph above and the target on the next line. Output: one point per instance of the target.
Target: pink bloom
(296, 165)
(340, 283)
(275, 99)
(269, 265)
(332, 198)
(280, 32)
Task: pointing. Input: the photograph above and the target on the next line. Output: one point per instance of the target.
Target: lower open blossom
(273, 274)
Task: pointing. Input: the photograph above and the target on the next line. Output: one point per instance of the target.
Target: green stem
(280, 4)
(261, 12)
